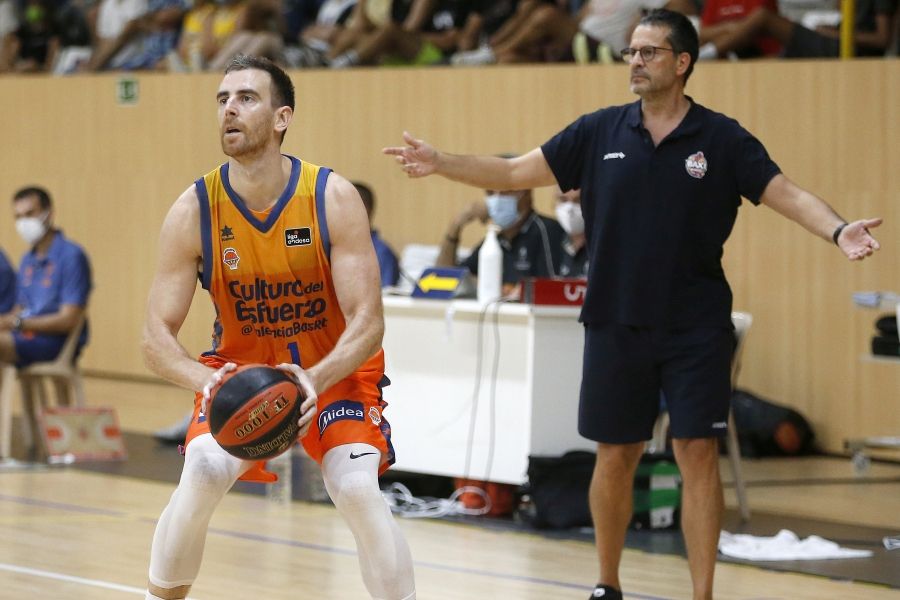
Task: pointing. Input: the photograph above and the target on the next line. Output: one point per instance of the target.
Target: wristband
(837, 233)
(17, 323)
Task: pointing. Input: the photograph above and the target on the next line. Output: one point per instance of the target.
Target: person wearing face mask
(532, 243)
(568, 213)
(53, 286)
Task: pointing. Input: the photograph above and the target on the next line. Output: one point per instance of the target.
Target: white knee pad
(384, 556)
(209, 472)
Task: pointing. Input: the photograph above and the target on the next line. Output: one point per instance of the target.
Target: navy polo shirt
(62, 276)
(656, 218)
(7, 285)
(536, 251)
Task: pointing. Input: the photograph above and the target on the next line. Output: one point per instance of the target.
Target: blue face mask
(503, 209)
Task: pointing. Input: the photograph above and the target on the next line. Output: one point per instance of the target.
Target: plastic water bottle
(280, 491)
(490, 268)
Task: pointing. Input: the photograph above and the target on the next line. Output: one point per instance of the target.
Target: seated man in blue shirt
(7, 285)
(53, 285)
(387, 260)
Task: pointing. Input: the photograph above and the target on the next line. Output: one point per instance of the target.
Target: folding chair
(65, 376)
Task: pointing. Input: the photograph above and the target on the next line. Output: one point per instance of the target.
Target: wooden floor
(71, 534)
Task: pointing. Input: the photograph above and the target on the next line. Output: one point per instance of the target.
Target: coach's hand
(855, 240)
(308, 391)
(418, 159)
(214, 380)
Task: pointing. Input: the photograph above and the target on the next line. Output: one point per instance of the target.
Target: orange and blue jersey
(268, 273)
(269, 277)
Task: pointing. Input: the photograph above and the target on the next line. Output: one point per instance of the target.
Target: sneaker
(480, 56)
(606, 592)
(174, 434)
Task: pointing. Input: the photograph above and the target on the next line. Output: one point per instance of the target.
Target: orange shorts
(349, 412)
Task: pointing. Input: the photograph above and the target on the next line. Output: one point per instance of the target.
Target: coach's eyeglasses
(647, 52)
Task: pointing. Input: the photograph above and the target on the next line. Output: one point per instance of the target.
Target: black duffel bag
(558, 489)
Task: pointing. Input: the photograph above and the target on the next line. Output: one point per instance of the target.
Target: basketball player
(661, 180)
(283, 248)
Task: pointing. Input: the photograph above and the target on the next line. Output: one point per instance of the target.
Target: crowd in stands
(72, 36)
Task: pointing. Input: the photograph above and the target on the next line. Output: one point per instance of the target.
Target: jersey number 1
(295, 353)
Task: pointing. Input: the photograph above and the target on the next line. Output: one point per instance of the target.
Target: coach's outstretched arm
(816, 216)
(419, 159)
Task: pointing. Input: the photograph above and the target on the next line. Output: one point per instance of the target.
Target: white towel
(784, 546)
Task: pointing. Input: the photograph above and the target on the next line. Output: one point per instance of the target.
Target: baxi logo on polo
(341, 410)
(696, 165)
(231, 258)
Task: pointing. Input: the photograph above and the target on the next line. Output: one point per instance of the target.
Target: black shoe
(174, 434)
(606, 592)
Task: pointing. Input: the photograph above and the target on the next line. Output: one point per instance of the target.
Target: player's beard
(248, 145)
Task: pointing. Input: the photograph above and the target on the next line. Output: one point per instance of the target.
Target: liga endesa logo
(342, 410)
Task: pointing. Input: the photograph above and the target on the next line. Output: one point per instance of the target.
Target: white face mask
(569, 216)
(503, 209)
(32, 229)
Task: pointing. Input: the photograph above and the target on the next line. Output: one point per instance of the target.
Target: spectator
(532, 244)
(156, 34)
(7, 285)
(314, 43)
(568, 213)
(117, 25)
(32, 47)
(549, 30)
(196, 24)
(205, 30)
(53, 286)
(512, 27)
(297, 15)
(720, 16)
(433, 30)
(256, 32)
(74, 37)
(872, 32)
(387, 260)
(366, 17)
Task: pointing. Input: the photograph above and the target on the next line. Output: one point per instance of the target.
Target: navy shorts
(32, 348)
(629, 370)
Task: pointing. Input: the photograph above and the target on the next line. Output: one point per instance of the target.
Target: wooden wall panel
(832, 126)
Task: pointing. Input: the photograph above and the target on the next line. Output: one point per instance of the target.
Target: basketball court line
(62, 506)
(417, 563)
(71, 579)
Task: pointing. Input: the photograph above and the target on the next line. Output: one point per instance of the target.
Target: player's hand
(308, 408)
(856, 241)
(214, 380)
(418, 159)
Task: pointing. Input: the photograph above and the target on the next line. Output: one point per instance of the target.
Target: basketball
(253, 413)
